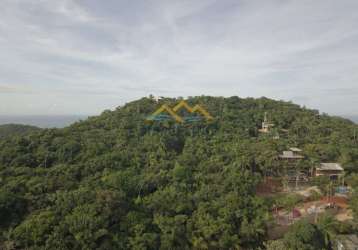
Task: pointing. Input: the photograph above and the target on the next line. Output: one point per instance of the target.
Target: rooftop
(295, 150)
(290, 155)
(330, 166)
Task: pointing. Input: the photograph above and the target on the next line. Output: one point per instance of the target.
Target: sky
(84, 56)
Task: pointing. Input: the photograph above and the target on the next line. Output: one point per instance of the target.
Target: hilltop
(8, 130)
(115, 181)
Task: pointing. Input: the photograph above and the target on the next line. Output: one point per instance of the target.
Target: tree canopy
(116, 181)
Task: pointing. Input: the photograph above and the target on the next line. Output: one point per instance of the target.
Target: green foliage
(321, 182)
(275, 245)
(34, 230)
(12, 208)
(314, 195)
(329, 227)
(9, 130)
(288, 201)
(353, 182)
(116, 182)
(305, 236)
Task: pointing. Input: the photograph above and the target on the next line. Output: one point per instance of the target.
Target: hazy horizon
(63, 120)
(42, 121)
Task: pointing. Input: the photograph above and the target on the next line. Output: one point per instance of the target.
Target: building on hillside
(332, 170)
(266, 125)
(291, 155)
(292, 172)
(296, 150)
(158, 98)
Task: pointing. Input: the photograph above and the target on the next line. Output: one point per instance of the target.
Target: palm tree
(328, 226)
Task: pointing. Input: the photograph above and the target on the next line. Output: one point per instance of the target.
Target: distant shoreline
(42, 121)
(352, 118)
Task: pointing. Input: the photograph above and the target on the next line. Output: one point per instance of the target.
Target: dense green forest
(117, 181)
(10, 130)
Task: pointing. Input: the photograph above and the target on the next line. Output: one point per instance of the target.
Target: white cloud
(103, 53)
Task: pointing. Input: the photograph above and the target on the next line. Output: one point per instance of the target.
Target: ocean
(42, 121)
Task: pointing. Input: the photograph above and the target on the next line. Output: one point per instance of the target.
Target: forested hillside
(118, 182)
(10, 130)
